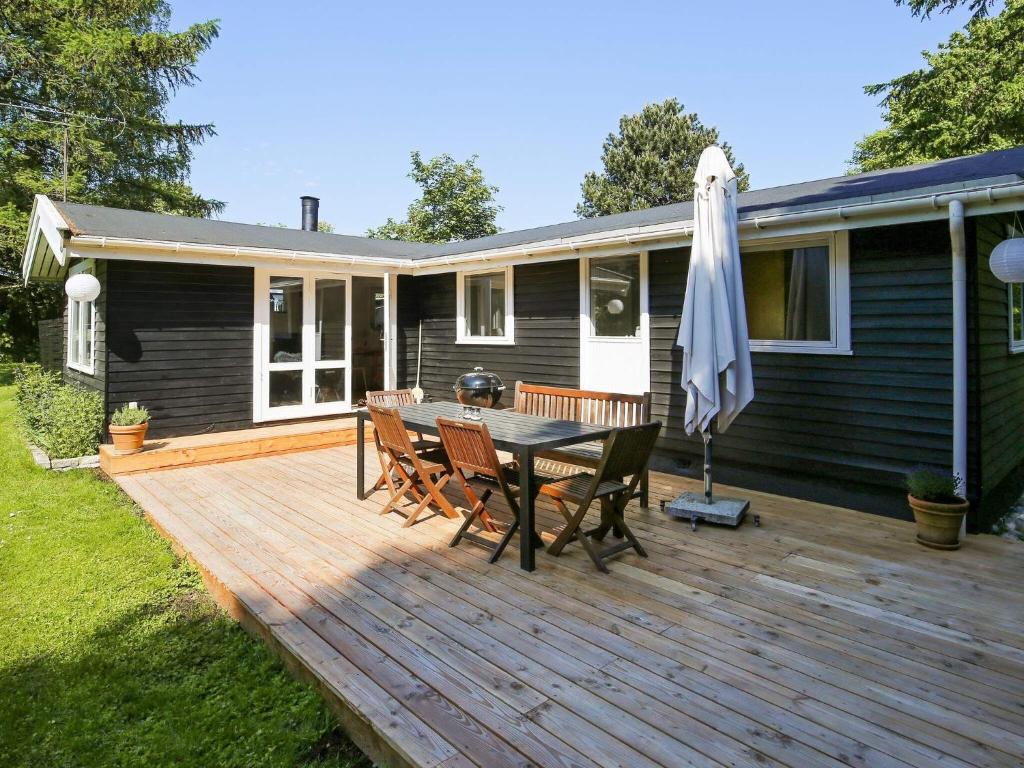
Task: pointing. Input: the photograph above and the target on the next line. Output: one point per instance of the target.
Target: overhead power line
(64, 118)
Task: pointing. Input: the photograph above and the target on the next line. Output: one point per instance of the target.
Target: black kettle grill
(479, 388)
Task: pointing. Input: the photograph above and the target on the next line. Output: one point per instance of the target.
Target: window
(1016, 291)
(615, 296)
(797, 296)
(81, 335)
(485, 307)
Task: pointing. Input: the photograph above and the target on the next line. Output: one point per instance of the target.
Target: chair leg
(595, 556)
(411, 519)
(476, 513)
(607, 524)
(397, 497)
(477, 502)
(572, 524)
(462, 530)
(645, 489)
(434, 488)
(620, 522)
(504, 541)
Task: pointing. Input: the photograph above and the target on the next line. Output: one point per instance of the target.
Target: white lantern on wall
(82, 287)
(1007, 260)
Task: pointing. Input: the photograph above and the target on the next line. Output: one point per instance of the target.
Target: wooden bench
(590, 407)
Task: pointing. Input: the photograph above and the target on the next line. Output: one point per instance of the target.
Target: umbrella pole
(692, 506)
(707, 466)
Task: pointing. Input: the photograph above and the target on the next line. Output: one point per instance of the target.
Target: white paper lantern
(615, 307)
(82, 287)
(1007, 260)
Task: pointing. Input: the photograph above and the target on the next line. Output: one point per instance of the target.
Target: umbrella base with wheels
(693, 507)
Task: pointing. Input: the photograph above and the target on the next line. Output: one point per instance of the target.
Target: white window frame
(839, 342)
(1016, 345)
(461, 335)
(76, 308)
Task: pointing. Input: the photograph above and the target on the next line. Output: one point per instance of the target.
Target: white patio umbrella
(713, 333)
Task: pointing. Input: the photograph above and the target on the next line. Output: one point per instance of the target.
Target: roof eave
(100, 246)
(995, 195)
(45, 256)
(992, 195)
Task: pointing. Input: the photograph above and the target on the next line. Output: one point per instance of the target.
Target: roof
(942, 176)
(100, 221)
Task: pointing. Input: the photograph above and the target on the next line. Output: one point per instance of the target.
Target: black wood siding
(863, 419)
(547, 331)
(180, 343)
(98, 380)
(997, 439)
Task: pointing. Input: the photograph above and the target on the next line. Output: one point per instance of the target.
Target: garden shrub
(36, 388)
(64, 420)
(73, 423)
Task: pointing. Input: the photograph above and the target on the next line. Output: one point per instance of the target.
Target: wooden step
(191, 450)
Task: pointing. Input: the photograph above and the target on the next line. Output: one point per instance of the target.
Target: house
(881, 340)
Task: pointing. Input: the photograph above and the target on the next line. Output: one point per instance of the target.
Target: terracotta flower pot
(938, 524)
(128, 440)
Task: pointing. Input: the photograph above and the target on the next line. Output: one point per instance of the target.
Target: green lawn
(113, 654)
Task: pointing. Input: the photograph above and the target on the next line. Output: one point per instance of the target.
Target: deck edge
(359, 729)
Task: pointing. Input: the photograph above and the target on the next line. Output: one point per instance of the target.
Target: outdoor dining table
(520, 434)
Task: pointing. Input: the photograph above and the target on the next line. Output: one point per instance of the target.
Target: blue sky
(328, 98)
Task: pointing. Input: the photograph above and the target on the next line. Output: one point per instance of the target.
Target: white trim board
(984, 196)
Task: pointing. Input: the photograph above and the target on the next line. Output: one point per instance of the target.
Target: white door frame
(588, 355)
(390, 330)
(262, 366)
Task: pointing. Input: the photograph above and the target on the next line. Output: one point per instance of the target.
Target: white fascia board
(96, 247)
(984, 197)
(45, 222)
(981, 199)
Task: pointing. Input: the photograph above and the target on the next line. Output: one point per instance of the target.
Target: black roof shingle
(941, 176)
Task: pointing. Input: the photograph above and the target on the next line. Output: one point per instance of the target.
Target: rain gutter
(230, 253)
(926, 205)
(840, 215)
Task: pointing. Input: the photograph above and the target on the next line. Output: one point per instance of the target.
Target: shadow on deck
(825, 637)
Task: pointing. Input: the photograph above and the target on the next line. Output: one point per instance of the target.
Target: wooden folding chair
(393, 398)
(419, 475)
(470, 449)
(626, 454)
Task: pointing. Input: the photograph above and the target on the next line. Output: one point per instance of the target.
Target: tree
(107, 70)
(651, 161)
(924, 8)
(456, 204)
(964, 101)
(321, 226)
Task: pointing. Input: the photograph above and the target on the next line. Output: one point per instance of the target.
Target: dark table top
(509, 430)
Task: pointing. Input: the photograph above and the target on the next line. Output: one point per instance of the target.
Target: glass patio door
(306, 338)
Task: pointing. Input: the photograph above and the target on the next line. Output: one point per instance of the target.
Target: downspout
(958, 243)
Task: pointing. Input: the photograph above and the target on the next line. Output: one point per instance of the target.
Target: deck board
(826, 637)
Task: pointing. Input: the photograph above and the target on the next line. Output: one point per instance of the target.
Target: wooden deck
(826, 637)
(216, 447)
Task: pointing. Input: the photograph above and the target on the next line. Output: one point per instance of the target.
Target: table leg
(360, 456)
(526, 526)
